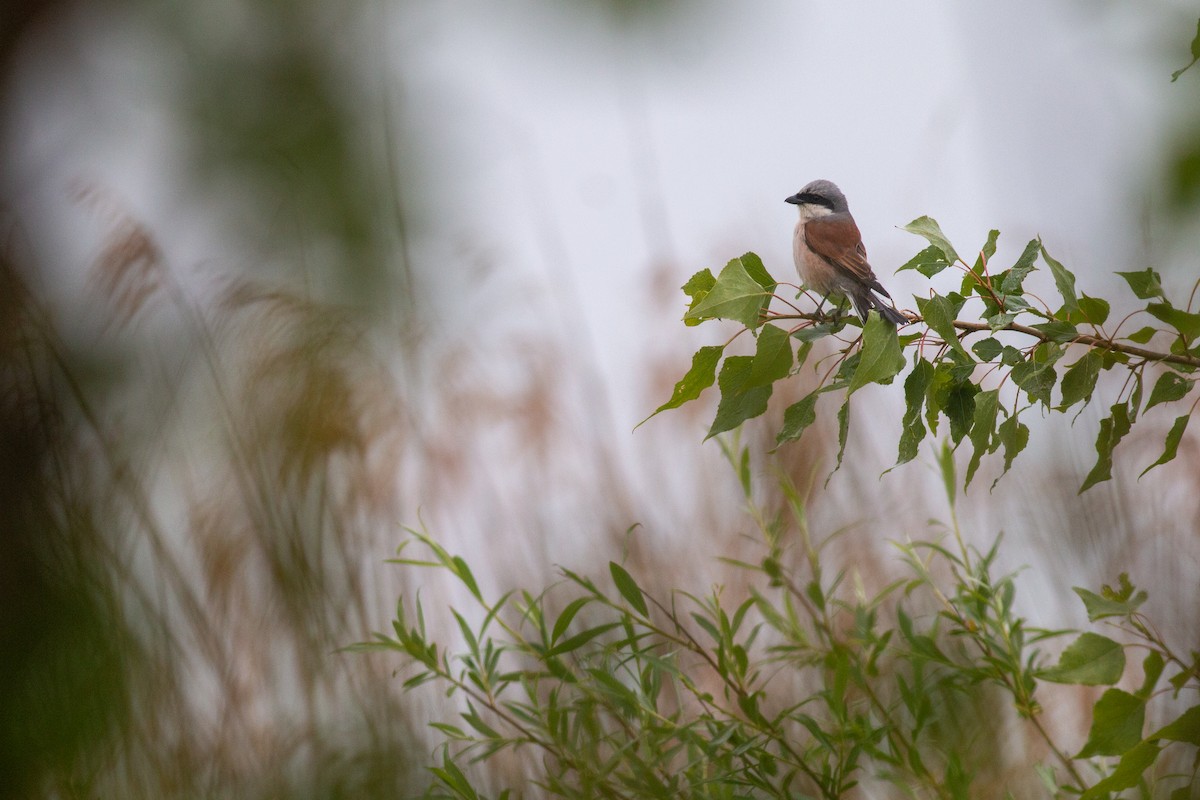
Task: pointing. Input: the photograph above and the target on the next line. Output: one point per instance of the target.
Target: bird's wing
(836, 239)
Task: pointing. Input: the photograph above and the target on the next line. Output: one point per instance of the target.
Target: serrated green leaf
(697, 287)
(1112, 429)
(915, 386)
(1184, 729)
(1186, 323)
(1169, 387)
(928, 228)
(1015, 277)
(1036, 375)
(928, 262)
(1099, 607)
(1000, 321)
(1171, 446)
(960, 408)
(797, 418)
(1142, 336)
(1058, 331)
(1117, 721)
(1014, 436)
(735, 295)
(1145, 283)
(738, 404)
(987, 349)
(772, 357)
(983, 429)
(1063, 279)
(986, 252)
(1079, 381)
(1128, 772)
(699, 377)
(1091, 660)
(628, 588)
(939, 312)
(1093, 310)
(881, 356)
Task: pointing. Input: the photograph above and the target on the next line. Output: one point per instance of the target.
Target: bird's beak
(795, 200)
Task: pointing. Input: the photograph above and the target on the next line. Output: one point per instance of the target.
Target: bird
(829, 251)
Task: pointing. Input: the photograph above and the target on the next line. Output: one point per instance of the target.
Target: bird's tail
(865, 302)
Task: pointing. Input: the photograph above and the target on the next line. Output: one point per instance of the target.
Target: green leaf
(1172, 444)
(1099, 607)
(579, 640)
(1063, 279)
(915, 386)
(1142, 336)
(1093, 310)
(701, 376)
(843, 431)
(986, 252)
(928, 262)
(1036, 374)
(1187, 324)
(939, 312)
(881, 356)
(1013, 278)
(564, 619)
(1091, 660)
(960, 408)
(1184, 729)
(628, 588)
(1000, 321)
(738, 403)
(1112, 429)
(1058, 331)
(1169, 387)
(697, 287)
(1195, 56)
(1127, 773)
(983, 429)
(1079, 381)
(928, 228)
(772, 357)
(987, 349)
(1013, 436)
(1117, 721)
(798, 417)
(1145, 284)
(736, 295)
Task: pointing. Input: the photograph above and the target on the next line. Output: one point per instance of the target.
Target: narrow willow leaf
(1091, 660)
(1011, 284)
(628, 587)
(772, 357)
(1099, 607)
(1145, 284)
(1169, 387)
(1079, 381)
(1117, 721)
(738, 404)
(1112, 429)
(1063, 279)
(579, 640)
(928, 228)
(1127, 773)
(797, 418)
(736, 295)
(913, 433)
(939, 312)
(928, 262)
(1014, 436)
(881, 356)
(983, 429)
(565, 618)
(702, 374)
(1186, 323)
(1172, 444)
(1184, 729)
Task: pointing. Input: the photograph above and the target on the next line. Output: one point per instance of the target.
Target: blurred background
(281, 278)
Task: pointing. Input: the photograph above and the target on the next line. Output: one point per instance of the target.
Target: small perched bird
(829, 252)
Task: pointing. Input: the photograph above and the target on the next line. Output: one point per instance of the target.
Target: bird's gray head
(821, 193)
